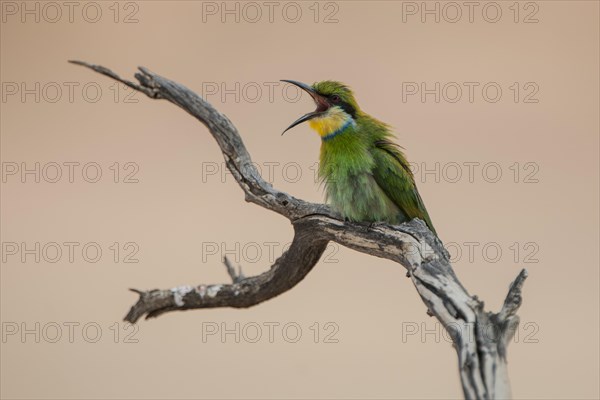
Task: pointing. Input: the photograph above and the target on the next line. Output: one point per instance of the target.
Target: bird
(366, 175)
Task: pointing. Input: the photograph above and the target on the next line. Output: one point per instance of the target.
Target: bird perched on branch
(367, 177)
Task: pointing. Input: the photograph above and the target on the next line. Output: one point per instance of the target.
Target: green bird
(366, 175)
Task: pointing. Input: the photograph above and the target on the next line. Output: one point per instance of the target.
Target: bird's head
(336, 107)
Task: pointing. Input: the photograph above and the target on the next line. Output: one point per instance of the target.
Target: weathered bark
(480, 337)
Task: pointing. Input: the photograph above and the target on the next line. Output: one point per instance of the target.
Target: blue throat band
(337, 131)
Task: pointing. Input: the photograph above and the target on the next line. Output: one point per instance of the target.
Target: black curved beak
(320, 101)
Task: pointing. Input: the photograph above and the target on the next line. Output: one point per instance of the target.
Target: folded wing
(392, 173)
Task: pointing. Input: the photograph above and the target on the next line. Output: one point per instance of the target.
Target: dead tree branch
(480, 337)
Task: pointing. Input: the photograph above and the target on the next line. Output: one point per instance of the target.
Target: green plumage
(366, 175)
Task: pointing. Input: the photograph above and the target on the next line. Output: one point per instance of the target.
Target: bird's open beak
(320, 101)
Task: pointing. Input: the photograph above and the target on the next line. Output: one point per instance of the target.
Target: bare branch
(482, 356)
(235, 276)
(513, 298)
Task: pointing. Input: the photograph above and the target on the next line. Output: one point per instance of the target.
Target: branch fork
(482, 358)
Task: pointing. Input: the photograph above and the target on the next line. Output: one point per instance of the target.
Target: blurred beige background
(182, 215)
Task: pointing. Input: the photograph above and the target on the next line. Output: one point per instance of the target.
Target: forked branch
(480, 337)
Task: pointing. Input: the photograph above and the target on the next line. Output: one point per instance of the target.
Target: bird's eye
(335, 98)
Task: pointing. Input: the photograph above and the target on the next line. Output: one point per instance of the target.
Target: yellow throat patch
(333, 120)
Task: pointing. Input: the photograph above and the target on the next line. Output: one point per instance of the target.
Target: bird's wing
(392, 173)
